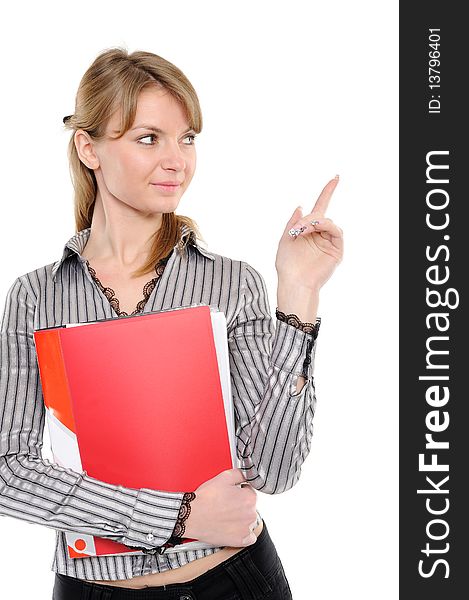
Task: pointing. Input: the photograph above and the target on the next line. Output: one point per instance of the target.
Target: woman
(132, 156)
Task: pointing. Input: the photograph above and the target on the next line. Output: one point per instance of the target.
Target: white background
(291, 95)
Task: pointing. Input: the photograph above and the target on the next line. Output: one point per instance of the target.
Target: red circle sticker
(80, 545)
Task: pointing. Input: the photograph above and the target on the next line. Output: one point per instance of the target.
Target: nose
(172, 157)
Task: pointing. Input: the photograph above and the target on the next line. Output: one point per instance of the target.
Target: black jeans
(254, 573)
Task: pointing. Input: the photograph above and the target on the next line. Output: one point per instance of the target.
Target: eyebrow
(156, 129)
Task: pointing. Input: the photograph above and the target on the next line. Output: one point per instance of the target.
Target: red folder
(141, 398)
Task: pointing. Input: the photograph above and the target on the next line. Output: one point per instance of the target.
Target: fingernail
(250, 538)
(336, 177)
(295, 231)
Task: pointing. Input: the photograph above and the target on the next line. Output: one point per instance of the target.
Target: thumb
(235, 476)
(297, 214)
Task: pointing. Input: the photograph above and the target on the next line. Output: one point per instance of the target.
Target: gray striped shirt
(274, 424)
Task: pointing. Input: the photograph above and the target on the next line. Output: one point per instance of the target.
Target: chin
(163, 207)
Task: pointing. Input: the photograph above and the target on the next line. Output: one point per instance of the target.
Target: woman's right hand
(223, 513)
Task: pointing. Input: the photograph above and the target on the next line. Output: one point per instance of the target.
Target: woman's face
(129, 168)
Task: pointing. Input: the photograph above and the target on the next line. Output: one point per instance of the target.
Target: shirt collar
(78, 241)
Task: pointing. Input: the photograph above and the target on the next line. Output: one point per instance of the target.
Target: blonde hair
(114, 80)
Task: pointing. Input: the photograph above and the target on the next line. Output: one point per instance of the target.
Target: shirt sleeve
(34, 489)
(274, 423)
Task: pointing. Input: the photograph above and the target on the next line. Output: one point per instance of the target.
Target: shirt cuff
(293, 349)
(154, 517)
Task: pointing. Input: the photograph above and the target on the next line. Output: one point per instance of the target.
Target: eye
(150, 135)
(193, 136)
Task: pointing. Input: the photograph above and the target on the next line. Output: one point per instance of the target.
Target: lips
(167, 187)
(168, 183)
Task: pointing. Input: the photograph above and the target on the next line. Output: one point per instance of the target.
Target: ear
(86, 149)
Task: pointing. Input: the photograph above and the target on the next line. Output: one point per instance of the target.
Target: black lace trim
(184, 512)
(294, 320)
(147, 289)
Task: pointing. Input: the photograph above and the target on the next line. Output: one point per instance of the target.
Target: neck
(122, 237)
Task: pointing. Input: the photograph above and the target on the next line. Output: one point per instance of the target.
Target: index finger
(324, 197)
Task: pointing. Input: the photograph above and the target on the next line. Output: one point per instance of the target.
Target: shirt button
(150, 537)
